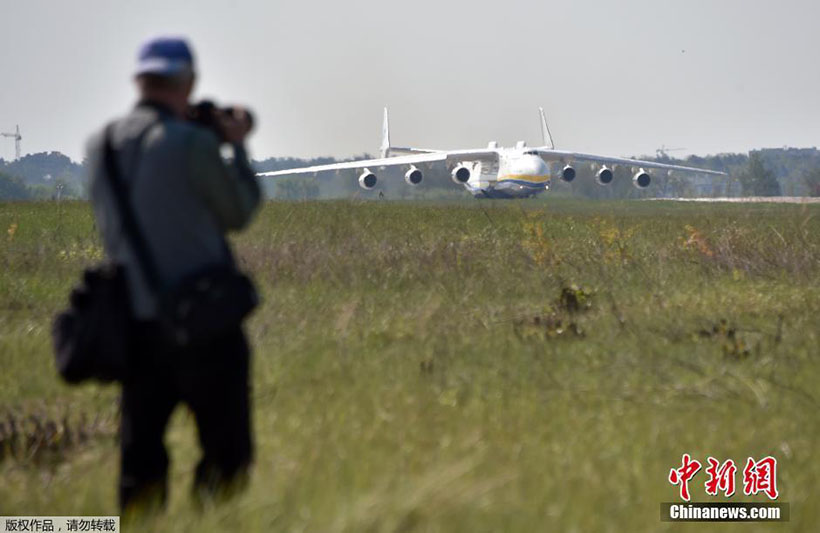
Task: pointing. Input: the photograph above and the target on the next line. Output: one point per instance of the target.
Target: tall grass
(517, 366)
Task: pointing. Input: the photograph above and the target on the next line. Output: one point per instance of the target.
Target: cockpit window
(530, 152)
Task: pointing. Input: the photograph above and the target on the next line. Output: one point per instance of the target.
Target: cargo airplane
(494, 171)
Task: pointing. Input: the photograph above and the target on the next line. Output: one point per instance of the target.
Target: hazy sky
(615, 77)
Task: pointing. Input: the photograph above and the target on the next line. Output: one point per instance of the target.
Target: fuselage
(519, 173)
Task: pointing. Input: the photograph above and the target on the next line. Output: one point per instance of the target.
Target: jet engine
(413, 176)
(604, 176)
(641, 179)
(461, 175)
(568, 173)
(367, 180)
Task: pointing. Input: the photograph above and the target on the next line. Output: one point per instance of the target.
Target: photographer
(183, 198)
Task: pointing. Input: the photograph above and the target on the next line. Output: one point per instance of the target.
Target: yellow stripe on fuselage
(532, 178)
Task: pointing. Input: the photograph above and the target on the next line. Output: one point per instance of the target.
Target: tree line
(766, 172)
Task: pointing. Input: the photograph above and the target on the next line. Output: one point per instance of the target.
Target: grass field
(522, 366)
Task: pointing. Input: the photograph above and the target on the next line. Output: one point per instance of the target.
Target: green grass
(415, 368)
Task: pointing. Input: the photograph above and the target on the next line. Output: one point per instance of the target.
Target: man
(184, 197)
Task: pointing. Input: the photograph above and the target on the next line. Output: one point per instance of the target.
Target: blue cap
(165, 56)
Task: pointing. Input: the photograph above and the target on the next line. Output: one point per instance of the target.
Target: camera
(208, 115)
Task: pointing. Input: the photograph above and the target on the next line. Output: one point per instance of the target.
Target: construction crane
(17, 138)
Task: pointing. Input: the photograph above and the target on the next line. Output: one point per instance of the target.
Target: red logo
(758, 476)
(682, 475)
(721, 477)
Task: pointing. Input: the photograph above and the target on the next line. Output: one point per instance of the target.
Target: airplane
(494, 171)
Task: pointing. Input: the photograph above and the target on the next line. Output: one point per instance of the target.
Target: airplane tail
(545, 130)
(385, 147)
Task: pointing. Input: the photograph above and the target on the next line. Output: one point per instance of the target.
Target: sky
(614, 77)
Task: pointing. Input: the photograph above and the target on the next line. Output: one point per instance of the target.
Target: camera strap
(128, 220)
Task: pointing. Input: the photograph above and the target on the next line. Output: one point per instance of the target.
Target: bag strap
(128, 219)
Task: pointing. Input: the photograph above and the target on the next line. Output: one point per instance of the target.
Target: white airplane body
(493, 172)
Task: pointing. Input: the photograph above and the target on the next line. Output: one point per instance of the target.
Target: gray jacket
(185, 198)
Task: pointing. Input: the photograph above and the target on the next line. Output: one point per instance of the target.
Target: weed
(574, 299)
(12, 231)
(730, 342)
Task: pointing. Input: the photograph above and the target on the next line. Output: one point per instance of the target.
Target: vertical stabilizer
(385, 147)
(545, 130)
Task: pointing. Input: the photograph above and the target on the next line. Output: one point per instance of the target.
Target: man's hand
(235, 125)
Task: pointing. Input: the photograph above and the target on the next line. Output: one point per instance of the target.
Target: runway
(749, 199)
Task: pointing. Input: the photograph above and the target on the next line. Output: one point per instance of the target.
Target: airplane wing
(550, 155)
(374, 164)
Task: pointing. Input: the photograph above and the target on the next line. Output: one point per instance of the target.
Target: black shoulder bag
(92, 338)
